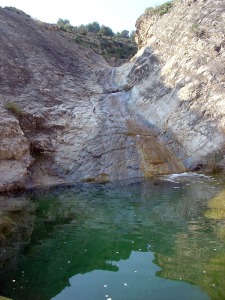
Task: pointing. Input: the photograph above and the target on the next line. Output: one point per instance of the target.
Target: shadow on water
(74, 236)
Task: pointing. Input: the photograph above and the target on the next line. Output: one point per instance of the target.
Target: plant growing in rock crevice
(14, 108)
(198, 30)
(213, 163)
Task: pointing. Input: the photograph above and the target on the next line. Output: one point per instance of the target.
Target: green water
(146, 239)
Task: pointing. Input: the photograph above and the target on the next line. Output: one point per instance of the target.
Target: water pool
(154, 239)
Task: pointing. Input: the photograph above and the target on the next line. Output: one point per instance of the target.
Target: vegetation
(123, 34)
(13, 108)
(160, 9)
(101, 39)
(197, 30)
(109, 47)
(64, 24)
(105, 31)
(214, 162)
(93, 27)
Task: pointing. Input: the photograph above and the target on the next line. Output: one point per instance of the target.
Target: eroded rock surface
(179, 78)
(81, 119)
(15, 155)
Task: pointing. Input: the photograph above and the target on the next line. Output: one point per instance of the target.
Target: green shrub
(93, 27)
(13, 108)
(105, 31)
(101, 39)
(64, 25)
(160, 9)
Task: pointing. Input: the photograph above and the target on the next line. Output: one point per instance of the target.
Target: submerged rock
(16, 225)
(216, 207)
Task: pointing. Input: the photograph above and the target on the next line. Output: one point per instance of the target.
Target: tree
(82, 29)
(132, 35)
(124, 34)
(106, 31)
(93, 27)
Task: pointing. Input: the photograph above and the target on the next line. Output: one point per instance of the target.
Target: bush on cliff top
(101, 39)
(160, 9)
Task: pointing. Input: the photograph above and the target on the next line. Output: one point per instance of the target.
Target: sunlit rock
(66, 115)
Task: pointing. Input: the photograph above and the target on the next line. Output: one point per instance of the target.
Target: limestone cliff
(182, 62)
(66, 115)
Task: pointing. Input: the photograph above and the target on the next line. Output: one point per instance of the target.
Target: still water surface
(160, 239)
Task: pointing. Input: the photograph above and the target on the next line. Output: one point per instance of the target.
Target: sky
(117, 14)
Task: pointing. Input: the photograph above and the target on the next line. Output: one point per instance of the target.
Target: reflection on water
(16, 225)
(149, 239)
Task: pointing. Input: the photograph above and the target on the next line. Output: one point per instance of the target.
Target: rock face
(15, 155)
(181, 59)
(66, 115)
